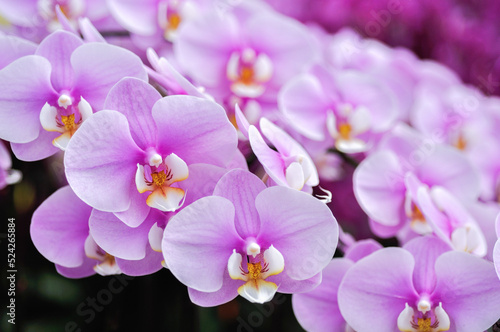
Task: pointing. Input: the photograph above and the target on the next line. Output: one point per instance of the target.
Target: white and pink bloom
(249, 52)
(347, 106)
(318, 310)
(42, 14)
(420, 287)
(386, 183)
(290, 165)
(60, 231)
(135, 155)
(250, 240)
(155, 21)
(132, 243)
(45, 97)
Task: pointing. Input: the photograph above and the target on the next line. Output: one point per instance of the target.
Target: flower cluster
(215, 138)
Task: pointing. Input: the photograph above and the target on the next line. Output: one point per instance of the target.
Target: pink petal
(57, 48)
(99, 66)
(300, 226)
(318, 310)
(150, 264)
(374, 291)
(468, 287)
(24, 88)
(137, 16)
(241, 188)
(59, 228)
(135, 98)
(38, 149)
(304, 104)
(198, 241)
(203, 47)
(426, 251)
(379, 188)
(226, 293)
(270, 159)
(118, 239)
(195, 129)
(101, 167)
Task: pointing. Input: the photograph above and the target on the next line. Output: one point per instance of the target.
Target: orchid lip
(159, 177)
(256, 288)
(425, 319)
(65, 118)
(248, 72)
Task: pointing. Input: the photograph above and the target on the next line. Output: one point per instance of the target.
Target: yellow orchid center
(345, 131)
(69, 122)
(246, 75)
(255, 270)
(461, 143)
(159, 178)
(173, 21)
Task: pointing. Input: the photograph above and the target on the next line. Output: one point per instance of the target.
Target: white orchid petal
(107, 267)
(166, 199)
(247, 90)
(48, 121)
(405, 318)
(263, 68)
(85, 109)
(459, 239)
(275, 262)
(140, 180)
(92, 249)
(353, 145)
(295, 176)
(331, 124)
(178, 167)
(234, 266)
(442, 317)
(155, 237)
(232, 66)
(62, 141)
(13, 176)
(258, 291)
(360, 120)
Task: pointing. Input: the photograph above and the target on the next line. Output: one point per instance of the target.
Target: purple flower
(60, 231)
(348, 106)
(166, 75)
(250, 240)
(248, 52)
(133, 243)
(420, 287)
(386, 183)
(42, 14)
(44, 98)
(318, 309)
(290, 165)
(146, 160)
(155, 20)
(450, 221)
